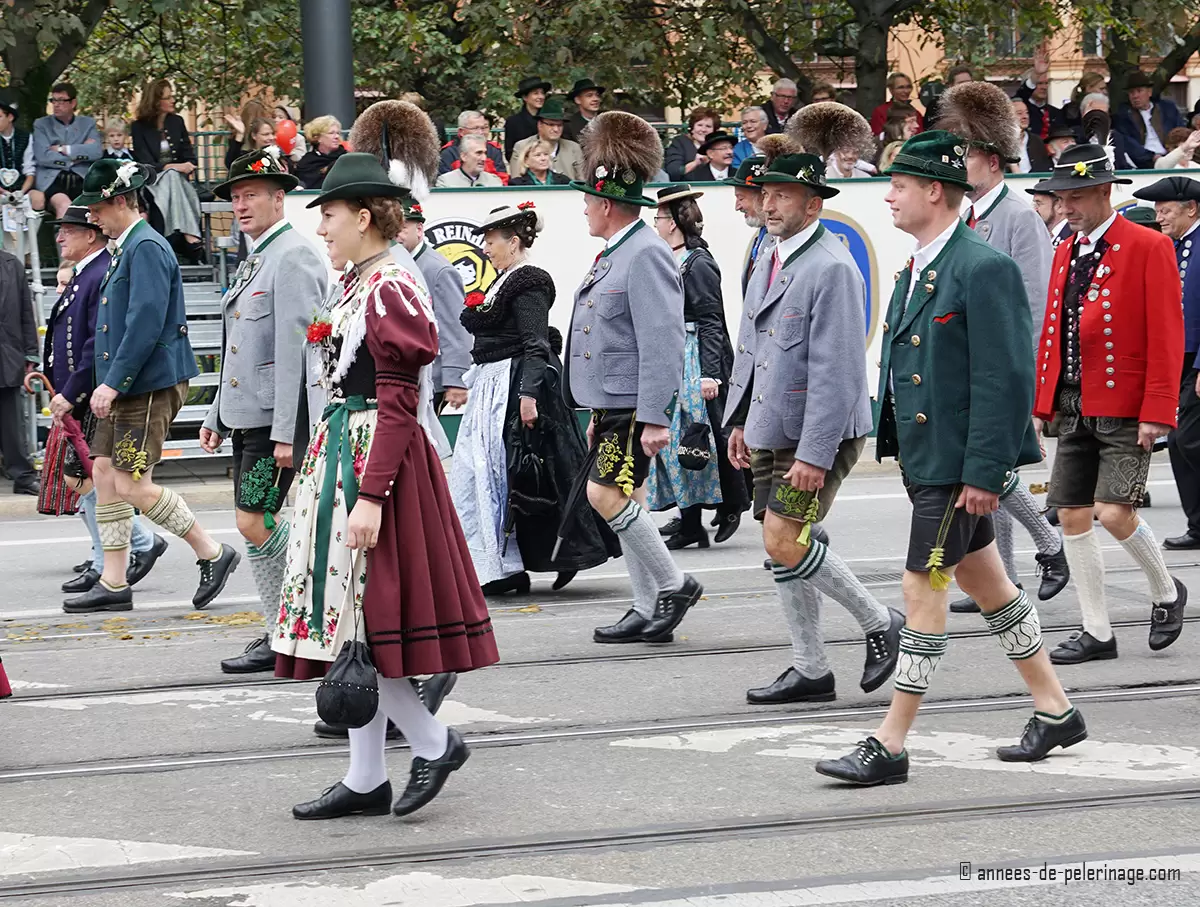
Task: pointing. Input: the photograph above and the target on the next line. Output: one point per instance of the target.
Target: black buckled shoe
(729, 525)
(433, 692)
(257, 656)
(1166, 621)
(563, 578)
(82, 583)
(1055, 574)
(1039, 738)
(426, 777)
(964, 606)
(83, 567)
(670, 609)
(670, 527)
(867, 766)
(883, 651)
(339, 800)
(682, 540)
(141, 563)
(1183, 542)
(336, 732)
(100, 598)
(214, 575)
(629, 628)
(792, 686)
(28, 486)
(1083, 647)
(517, 584)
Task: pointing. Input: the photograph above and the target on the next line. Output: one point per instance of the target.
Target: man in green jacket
(956, 391)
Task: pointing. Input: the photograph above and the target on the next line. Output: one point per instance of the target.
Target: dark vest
(12, 155)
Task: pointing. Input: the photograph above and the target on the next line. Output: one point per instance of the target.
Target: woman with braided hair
(519, 445)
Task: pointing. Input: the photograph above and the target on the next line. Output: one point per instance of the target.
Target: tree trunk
(1178, 57)
(774, 54)
(1122, 59)
(871, 61)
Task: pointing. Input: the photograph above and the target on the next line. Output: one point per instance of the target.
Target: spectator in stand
(567, 156)
(1146, 122)
(1089, 83)
(64, 146)
(522, 124)
(535, 166)
(1099, 102)
(262, 136)
(162, 143)
(472, 122)
(780, 106)
(754, 127)
(1034, 156)
(470, 173)
(324, 135)
(299, 146)
(959, 74)
(717, 150)
(900, 87)
(901, 125)
(1194, 116)
(587, 97)
(890, 150)
(682, 157)
(822, 91)
(845, 164)
(1181, 149)
(18, 357)
(239, 144)
(1035, 92)
(1061, 138)
(116, 140)
(17, 167)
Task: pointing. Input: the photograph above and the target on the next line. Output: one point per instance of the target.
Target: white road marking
(943, 749)
(33, 685)
(139, 606)
(20, 854)
(17, 543)
(415, 889)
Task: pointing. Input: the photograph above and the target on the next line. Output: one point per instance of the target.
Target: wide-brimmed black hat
(747, 170)
(1062, 131)
(108, 178)
(532, 83)
(357, 175)
(799, 169)
(933, 155)
(1082, 167)
(582, 85)
(676, 192)
(714, 139)
(1139, 79)
(257, 165)
(1171, 189)
(75, 216)
(1039, 188)
(510, 215)
(8, 102)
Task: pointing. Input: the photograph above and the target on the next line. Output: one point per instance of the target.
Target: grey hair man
(471, 170)
(472, 122)
(754, 126)
(781, 105)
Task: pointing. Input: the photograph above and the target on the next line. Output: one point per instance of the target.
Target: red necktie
(775, 264)
(971, 219)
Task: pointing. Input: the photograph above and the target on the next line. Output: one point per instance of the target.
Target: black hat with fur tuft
(827, 126)
(982, 113)
(402, 138)
(621, 153)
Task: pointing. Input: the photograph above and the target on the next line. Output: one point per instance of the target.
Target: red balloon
(285, 136)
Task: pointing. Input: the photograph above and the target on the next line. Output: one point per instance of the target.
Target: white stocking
(367, 770)
(426, 736)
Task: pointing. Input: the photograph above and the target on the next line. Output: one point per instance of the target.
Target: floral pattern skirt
(298, 636)
(669, 484)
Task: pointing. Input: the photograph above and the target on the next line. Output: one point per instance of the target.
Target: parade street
(134, 774)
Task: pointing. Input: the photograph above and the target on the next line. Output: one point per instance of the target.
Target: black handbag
(349, 694)
(694, 450)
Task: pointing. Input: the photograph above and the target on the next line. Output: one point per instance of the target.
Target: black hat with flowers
(257, 165)
(621, 153)
(108, 178)
(413, 210)
(748, 169)
(801, 169)
(1082, 167)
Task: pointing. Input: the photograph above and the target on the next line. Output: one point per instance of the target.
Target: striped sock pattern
(919, 657)
(1017, 628)
(833, 576)
(172, 513)
(268, 565)
(644, 546)
(115, 524)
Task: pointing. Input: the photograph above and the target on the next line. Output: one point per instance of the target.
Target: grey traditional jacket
(1014, 228)
(626, 341)
(798, 375)
(83, 147)
(276, 293)
(454, 343)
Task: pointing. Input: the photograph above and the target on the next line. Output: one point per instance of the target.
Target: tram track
(705, 831)
(549, 733)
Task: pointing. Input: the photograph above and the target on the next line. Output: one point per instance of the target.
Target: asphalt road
(134, 774)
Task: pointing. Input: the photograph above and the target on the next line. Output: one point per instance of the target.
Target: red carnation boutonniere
(319, 330)
(474, 299)
(524, 206)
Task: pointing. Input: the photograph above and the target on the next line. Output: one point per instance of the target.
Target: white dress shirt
(621, 234)
(924, 255)
(1086, 243)
(980, 207)
(252, 244)
(785, 247)
(1153, 141)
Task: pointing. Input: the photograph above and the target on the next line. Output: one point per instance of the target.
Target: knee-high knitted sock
(1003, 525)
(172, 513)
(1142, 547)
(115, 525)
(367, 769)
(642, 542)
(1024, 509)
(268, 564)
(645, 589)
(833, 576)
(802, 609)
(426, 736)
(1087, 572)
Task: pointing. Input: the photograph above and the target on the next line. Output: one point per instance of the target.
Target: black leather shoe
(670, 527)
(335, 732)
(339, 800)
(1166, 621)
(426, 777)
(768, 564)
(681, 540)
(883, 651)
(867, 766)
(563, 578)
(100, 598)
(1083, 647)
(671, 608)
(1055, 574)
(1145, 500)
(729, 525)
(629, 628)
(964, 606)
(1039, 738)
(28, 486)
(83, 567)
(792, 686)
(433, 692)
(81, 583)
(214, 575)
(517, 584)
(1184, 542)
(256, 657)
(141, 563)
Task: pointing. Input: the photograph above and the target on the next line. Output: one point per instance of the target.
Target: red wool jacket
(1131, 331)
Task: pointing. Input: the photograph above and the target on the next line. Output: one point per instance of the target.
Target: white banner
(857, 214)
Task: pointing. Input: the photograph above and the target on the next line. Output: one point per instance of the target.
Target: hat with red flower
(254, 166)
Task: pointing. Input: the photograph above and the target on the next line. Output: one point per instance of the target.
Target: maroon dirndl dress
(5, 689)
(422, 606)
